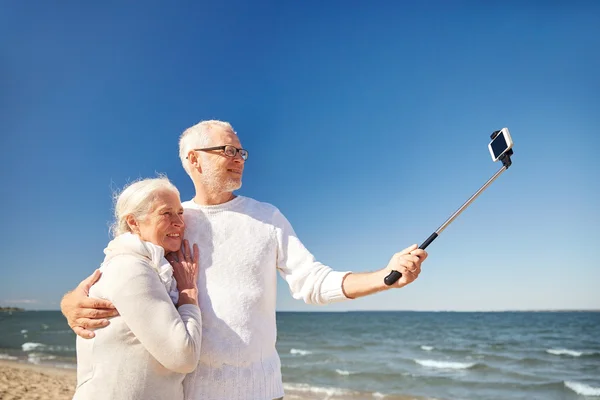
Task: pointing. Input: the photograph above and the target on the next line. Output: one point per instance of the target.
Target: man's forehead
(220, 136)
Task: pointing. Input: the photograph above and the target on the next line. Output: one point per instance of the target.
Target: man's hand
(408, 263)
(83, 313)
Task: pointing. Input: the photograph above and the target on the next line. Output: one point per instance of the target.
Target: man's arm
(316, 283)
(83, 313)
(408, 262)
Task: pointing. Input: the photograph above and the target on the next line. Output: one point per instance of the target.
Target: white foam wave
(59, 348)
(560, 352)
(37, 358)
(7, 357)
(444, 364)
(304, 388)
(378, 395)
(29, 346)
(300, 352)
(344, 372)
(582, 388)
(24, 330)
(427, 348)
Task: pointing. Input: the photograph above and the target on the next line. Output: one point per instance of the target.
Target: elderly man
(243, 242)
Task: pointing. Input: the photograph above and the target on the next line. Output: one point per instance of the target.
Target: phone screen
(499, 145)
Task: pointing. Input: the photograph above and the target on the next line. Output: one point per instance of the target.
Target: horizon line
(383, 311)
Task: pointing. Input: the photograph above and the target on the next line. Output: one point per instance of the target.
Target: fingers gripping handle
(395, 275)
(392, 278)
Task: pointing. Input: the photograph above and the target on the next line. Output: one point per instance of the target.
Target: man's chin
(234, 185)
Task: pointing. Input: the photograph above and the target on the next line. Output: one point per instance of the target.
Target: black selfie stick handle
(395, 275)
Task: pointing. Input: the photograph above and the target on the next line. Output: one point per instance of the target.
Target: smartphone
(500, 144)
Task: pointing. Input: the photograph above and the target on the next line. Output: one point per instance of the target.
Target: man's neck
(206, 199)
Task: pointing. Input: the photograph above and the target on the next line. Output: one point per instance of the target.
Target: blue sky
(367, 125)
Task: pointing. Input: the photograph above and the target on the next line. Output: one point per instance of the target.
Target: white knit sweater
(243, 243)
(146, 351)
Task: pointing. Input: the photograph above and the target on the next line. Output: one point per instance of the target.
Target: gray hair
(196, 137)
(137, 199)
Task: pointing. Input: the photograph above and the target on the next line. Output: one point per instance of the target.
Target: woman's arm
(172, 336)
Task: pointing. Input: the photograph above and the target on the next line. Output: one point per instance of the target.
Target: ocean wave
(8, 357)
(427, 348)
(445, 364)
(304, 388)
(300, 352)
(344, 372)
(24, 331)
(560, 352)
(29, 346)
(573, 353)
(582, 388)
(37, 358)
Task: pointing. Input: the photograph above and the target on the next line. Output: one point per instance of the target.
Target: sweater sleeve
(307, 278)
(173, 337)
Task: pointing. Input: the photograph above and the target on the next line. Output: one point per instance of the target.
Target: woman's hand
(185, 269)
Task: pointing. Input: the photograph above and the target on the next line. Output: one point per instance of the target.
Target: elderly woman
(146, 351)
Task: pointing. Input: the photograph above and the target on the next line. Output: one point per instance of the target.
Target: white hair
(137, 199)
(198, 136)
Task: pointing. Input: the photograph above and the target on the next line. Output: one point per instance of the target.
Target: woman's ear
(133, 224)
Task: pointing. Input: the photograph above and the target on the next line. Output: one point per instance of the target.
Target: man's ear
(194, 160)
(132, 223)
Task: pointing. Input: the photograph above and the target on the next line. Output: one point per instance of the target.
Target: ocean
(393, 355)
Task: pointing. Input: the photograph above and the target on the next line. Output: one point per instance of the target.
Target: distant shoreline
(316, 311)
(7, 309)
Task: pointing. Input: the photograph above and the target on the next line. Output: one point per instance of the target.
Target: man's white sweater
(243, 243)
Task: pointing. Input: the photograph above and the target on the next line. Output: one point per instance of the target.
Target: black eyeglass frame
(223, 149)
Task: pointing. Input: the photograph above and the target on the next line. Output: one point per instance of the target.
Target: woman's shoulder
(131, 245)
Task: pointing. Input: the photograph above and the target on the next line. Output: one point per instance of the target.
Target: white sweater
(243, 243)
(146, 351)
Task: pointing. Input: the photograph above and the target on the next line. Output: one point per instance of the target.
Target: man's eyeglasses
(228, 150)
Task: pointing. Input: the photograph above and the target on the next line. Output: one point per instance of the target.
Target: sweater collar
(229, 205)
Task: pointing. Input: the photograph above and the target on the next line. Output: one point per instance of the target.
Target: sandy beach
(20, 381)
(24, 381)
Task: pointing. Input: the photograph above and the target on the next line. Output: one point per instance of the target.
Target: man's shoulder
(240, 203)
(259, 205)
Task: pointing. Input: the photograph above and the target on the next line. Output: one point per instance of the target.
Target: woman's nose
(178, 220)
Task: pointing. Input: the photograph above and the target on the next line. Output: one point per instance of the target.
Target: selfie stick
(505, 158)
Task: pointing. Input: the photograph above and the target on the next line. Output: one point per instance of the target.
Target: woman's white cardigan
(146, 351)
